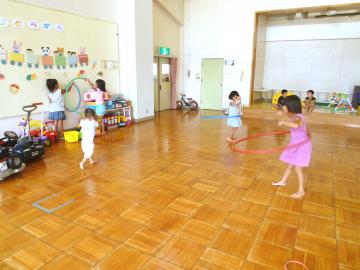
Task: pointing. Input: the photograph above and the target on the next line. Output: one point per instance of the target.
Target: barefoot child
(88, 130)
(57, 107)
(100, 87)
(298, 156)
(234, 114)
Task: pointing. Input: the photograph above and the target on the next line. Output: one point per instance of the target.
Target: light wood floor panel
(169, 194)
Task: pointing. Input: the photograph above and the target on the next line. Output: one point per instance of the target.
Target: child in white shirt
(57, 108)
(88, 130)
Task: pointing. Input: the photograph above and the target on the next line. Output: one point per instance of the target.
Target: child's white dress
(234, 115)
(88, 131)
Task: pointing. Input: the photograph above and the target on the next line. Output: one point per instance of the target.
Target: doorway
(162, 83)
(212, 83)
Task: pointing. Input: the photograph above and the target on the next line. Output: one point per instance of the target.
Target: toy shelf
(118, 117)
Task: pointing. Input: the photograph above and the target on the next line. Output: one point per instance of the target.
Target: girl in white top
(57, 108)
(88, 131)
(234, 114)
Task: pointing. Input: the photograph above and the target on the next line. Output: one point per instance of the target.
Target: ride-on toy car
(26, 147)
(186, 102)
(10, 162)
(37, 131)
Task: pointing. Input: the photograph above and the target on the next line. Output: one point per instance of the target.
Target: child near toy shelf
(300, 155)
(57, 107)
(88, 131)
(234, 114)
(100, 88)
(310, 101)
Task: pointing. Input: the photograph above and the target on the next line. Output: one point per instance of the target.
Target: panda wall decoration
(46, 59)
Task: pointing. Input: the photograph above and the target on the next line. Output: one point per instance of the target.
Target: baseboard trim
(144, 119)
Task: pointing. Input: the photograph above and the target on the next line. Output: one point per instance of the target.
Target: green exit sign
(164, 51)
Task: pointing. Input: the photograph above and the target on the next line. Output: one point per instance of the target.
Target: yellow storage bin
(71, 136)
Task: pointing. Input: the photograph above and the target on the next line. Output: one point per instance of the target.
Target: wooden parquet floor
(170, 194)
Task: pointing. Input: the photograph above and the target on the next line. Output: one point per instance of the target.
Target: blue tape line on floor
(50, 211)
(219, 116)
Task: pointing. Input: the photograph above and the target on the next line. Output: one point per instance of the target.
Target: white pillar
(136, 55)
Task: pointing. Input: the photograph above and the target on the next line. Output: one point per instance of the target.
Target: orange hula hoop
(295, 262)
(268, 151)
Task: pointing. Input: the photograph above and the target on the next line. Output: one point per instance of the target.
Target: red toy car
(51, 134)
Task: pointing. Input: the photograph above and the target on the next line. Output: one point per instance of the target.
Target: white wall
(225, 28)
(320, 54)
(175, 8)
(166, 30)
(136, 55)
(104, 9)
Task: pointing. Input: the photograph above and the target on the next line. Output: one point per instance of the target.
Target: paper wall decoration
(33, 25)
(46, 26)
(2, 76)
(94, 63)
(14, 88)
(100, 73)
(47, 74)
(3, 55)
(83, 57)
(32, 59)
(32, 76)
(16, 57)
(4, 22)
(59, 27)
(108, 64)
(60, 59)
(46, 59)
(81, 73)
(72, 59)
(18, 23)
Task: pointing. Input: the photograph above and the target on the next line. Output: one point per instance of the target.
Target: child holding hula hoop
(300, 155)
(234, 112)
(100, 88)
(57, 107)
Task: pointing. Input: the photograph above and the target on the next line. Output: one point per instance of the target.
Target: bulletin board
(92, 40)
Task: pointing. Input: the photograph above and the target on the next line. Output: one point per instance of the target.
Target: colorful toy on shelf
(83, 57)
(16, 57)
(32, 59)
(60, 59)
(3, 55)
(46, 59)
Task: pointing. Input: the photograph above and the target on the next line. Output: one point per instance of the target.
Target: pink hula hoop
(268, 151)
(295, 262)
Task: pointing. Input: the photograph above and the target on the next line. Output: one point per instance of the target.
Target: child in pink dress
(300, 155)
